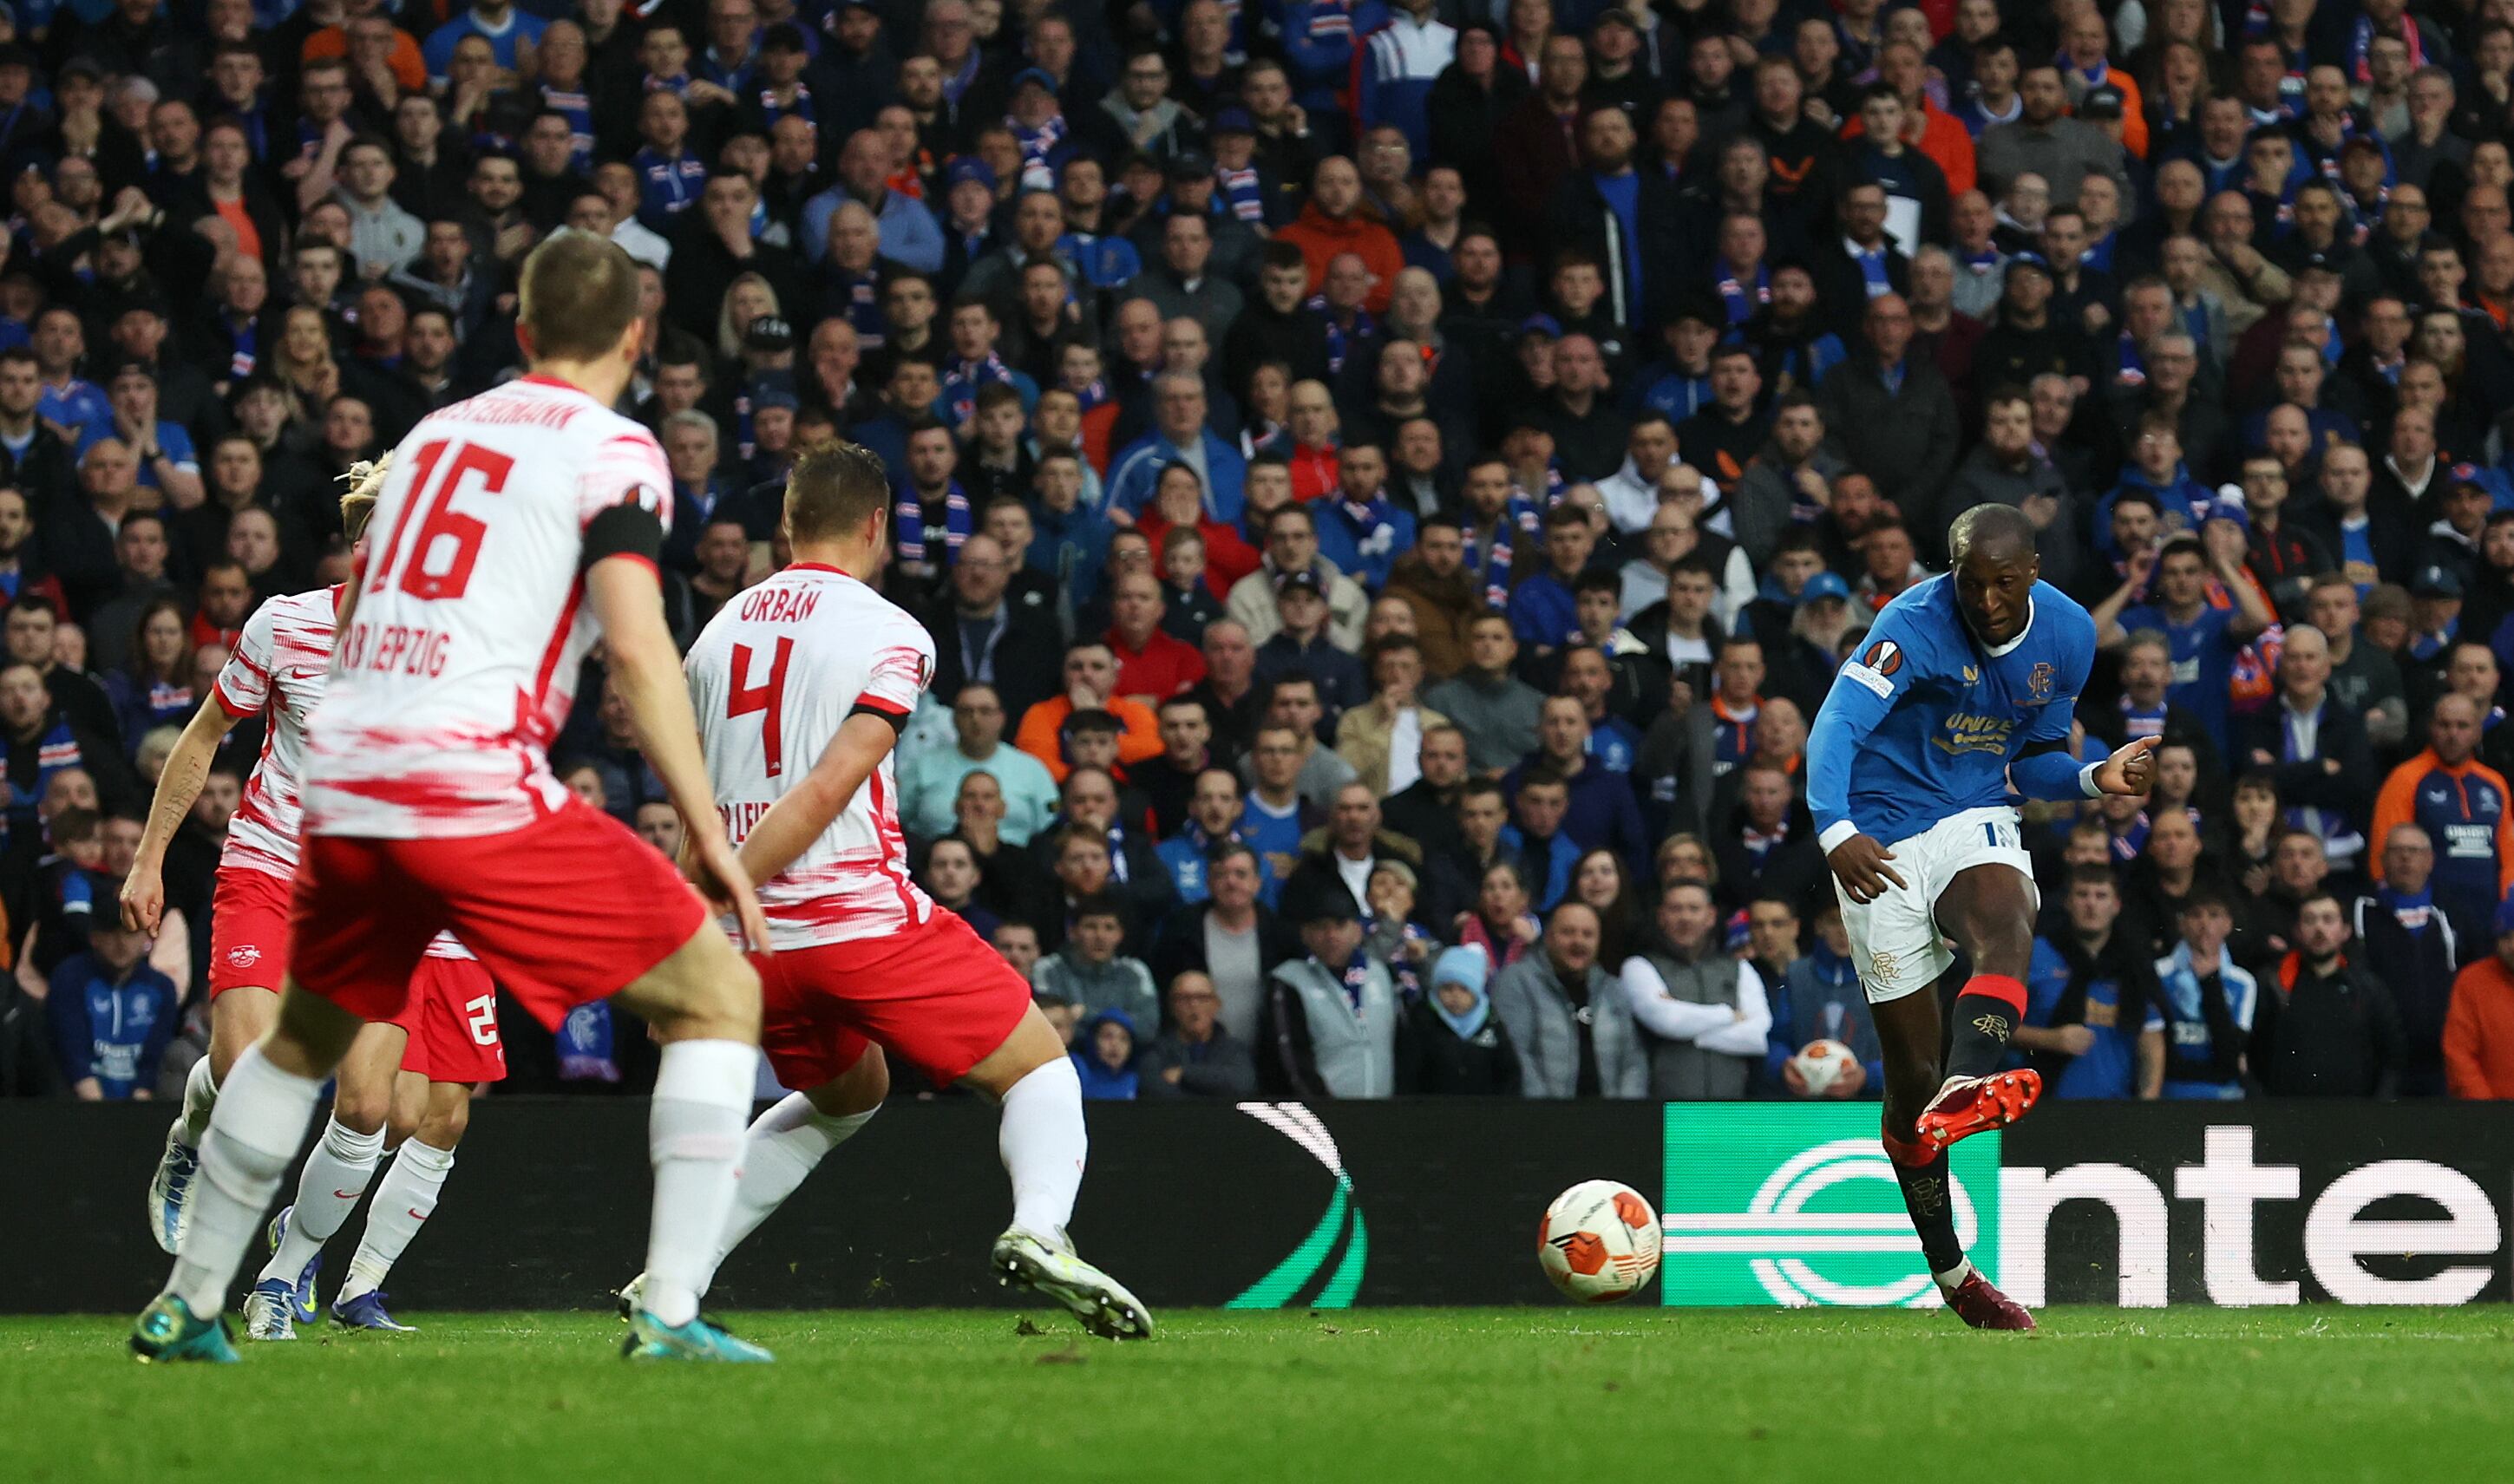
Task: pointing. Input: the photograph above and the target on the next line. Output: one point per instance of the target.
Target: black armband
(625, 529)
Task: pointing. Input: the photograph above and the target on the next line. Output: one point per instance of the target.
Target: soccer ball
(1822, 1064)
(1600, 1241)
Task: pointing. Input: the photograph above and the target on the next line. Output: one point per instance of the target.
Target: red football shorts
(452, 1019)
(568, 909)
(936, 995)
(248, 931)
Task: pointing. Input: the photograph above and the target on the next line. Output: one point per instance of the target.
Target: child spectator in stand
(1452, 1044)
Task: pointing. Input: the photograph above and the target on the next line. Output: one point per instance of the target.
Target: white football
(1822, 1064)
(1600, 1241)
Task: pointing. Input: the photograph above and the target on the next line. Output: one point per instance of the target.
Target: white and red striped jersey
(471, 620)
(777, 672)
(277, 671)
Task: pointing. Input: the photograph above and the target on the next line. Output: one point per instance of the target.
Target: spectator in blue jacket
(910, 234)
(1361, 531)
(1178, 436)
(112, 1016)
(1543, 612)
(1534, 839)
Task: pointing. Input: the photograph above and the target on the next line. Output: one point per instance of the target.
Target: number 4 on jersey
(768, 696)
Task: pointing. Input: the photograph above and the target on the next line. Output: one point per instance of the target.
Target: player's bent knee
(448, 1116)
(704, 990)
(309, 1035)
(860, 1089)
(1033, 1044)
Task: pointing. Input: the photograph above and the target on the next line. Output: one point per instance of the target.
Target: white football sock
(404, 1201)
(783, 1146)
(200, 1095)
(1043, 1147)
(260, 1120)
(694, 1136)
(336, 1175)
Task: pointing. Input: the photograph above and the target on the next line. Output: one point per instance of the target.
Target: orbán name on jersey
(775, 675)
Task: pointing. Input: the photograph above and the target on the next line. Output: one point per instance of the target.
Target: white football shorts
(1895, 943)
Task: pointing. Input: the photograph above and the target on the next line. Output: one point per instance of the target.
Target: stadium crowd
(1388, 483)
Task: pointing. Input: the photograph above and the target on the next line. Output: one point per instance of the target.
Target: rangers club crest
(2038, 683)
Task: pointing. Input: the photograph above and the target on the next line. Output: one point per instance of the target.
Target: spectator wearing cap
(1569, 1017)
(968, 217)
(1301, 645)
(1328, 1025)
(2478, 1041)
(2045, 141)
(1453, 1044)
(2029, 337)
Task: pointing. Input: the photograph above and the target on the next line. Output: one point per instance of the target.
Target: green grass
(1381, 1395)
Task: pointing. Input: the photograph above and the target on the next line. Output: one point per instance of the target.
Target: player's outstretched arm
(1862, 695)
(796, 820)
(187, 768)
(646, 671)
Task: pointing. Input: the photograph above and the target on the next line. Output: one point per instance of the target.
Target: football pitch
(2321, 1393)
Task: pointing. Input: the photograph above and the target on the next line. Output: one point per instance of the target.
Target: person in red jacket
(2479, 1028)
(1335, 222)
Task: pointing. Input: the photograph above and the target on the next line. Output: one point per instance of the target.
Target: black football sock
(1924, 1179)
(1986, 1013)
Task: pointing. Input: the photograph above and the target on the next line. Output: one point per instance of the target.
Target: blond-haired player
(406, 1081)
(516, 529)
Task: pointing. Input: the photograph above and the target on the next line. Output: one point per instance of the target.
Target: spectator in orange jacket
(1090, 683)
(1336, 221)
(2465, 807)
(2479, 1028)
(2087, 70)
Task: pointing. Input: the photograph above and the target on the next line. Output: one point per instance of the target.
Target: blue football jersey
(1924, 721)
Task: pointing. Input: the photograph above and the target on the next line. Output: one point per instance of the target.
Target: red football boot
(1966, 1106)
(1985, 1307)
